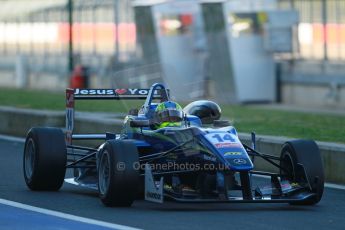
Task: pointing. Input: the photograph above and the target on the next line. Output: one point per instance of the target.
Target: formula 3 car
(203, 160)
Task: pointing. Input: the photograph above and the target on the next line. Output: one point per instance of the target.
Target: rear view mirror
(139, 123)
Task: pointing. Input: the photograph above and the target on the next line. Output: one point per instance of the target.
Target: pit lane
(329, 213)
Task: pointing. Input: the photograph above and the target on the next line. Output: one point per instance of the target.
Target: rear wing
(113, 94)
(103, 94)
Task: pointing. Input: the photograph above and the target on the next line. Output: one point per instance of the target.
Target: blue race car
(166, 153)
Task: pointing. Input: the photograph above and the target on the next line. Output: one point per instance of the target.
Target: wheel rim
(288, 165)
(29, 158)
(104, 173)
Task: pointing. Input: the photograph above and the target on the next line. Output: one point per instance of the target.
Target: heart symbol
(120, 91)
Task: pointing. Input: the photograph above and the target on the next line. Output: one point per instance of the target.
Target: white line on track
(66, 216)
(22, 140)
(335, 186)
(10, 138)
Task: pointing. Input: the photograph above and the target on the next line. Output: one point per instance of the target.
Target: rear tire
(45, 157)
(307, 153)
(118, 177)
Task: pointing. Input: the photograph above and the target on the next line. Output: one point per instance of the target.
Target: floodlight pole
(70, 35)
(325, 32)
(116, 20)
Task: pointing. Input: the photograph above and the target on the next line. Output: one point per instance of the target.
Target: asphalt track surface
(328, 214)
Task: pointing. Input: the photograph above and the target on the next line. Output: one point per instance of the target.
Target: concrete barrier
(17, 122)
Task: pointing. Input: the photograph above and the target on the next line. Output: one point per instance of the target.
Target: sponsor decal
(223, 140)
(232, 154)
(94, 92)
(240, 161)
(153, 189)
(141, 91)
(209, 158)
(113, 92)
(153, 195)
(120, 91)
(225, 145)
(69, 98)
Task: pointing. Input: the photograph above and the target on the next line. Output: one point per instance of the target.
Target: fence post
(278, 74)
(21, 71)
(325, 35)
(70, 34)
(116, 20)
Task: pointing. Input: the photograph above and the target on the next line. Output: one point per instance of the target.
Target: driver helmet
(168, 114)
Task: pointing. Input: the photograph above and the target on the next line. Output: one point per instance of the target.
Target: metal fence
(321, 30)
(103, 35)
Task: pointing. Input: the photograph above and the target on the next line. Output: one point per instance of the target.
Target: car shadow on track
(75, 190)
(207, 207)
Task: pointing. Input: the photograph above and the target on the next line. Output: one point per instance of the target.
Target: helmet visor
(170, 115)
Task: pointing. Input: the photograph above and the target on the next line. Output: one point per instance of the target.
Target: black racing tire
(307, 153)
(45, 157)
(141, 189)
(118, 173)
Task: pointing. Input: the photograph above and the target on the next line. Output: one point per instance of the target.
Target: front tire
(306, 153)
(118, 177)
(45, 157)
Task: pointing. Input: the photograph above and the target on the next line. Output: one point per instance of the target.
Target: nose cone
(230, 149)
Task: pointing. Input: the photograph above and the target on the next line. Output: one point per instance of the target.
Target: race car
(200, 160)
